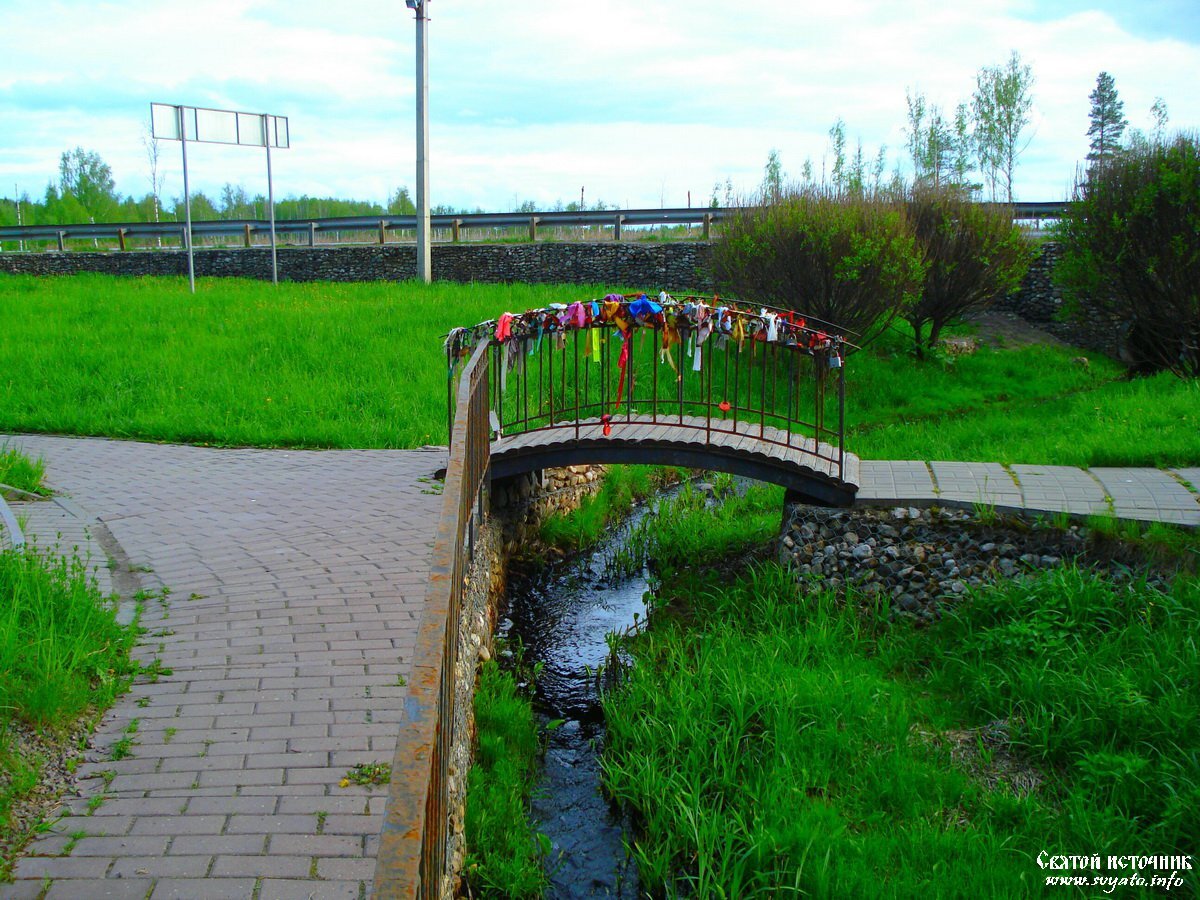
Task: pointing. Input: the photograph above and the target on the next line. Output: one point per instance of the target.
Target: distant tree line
(861, 251)
(85, 191)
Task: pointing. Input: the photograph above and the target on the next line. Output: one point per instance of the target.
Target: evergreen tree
(1108, 119)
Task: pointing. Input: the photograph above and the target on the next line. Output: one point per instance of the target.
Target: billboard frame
(170, 122)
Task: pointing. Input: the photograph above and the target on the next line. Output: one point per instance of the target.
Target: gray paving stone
(203, 889)
(277, 889)
(1192, 477)
(160, 867)
(1137, 493)
(109, 889)
(340, 869)
(273, 866)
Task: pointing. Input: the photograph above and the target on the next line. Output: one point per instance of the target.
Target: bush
(973, 254)
(1131, 248)
(849, 261)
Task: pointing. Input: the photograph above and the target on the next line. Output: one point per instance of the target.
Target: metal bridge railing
(754, 372)
(412, 854)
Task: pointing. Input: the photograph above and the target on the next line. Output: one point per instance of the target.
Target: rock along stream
(561, 615)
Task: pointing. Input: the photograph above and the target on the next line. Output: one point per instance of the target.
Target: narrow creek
(561, 616)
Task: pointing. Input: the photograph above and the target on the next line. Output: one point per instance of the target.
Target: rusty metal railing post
(842, 419)
(411, 862)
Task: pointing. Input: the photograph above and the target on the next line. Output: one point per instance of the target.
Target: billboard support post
(270, 199)
(187, 204)
(220, 126)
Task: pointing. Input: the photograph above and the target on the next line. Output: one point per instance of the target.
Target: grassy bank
(19, 471)
(360, 365)
(504, 853)
(64, 658)
(775, 746)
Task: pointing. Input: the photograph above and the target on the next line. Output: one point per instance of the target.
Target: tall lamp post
(424, 258)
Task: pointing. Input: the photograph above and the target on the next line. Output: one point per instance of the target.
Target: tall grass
(504, 853)
(361, 365)
(63, 657)
(62, 649)
(1100, 681)
(240, 362)
(772, 744)
(19, 471)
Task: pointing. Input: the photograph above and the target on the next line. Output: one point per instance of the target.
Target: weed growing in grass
(124, 746)
(19, 471)
(505, 854)
(367, 775)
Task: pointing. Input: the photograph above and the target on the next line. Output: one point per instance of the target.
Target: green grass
(361, 365)
(1025, 405)
(621, 487)
(61, 647)
(773, 745)
(240, 362)
(19, 471)
(504, 853)
(63, 657)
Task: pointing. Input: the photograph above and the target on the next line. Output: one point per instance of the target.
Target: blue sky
(638, 103)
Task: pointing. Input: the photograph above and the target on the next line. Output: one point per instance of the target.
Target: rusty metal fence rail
(413, 844)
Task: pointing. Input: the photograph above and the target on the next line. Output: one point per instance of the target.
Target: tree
(150, 145)
(772, 185)
(1158, 113)
(837, 138)
(973, 253)
(962, 145)
(930, 141)
(87, 178)
(849, 261)
(401, 203)
(1107, 120)
(1001, 105)
(1131, 249)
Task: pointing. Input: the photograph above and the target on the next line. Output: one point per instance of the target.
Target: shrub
(849, 261)
(973, 253)
(1131, 248)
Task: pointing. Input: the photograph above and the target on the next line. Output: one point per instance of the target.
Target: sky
(634, 103)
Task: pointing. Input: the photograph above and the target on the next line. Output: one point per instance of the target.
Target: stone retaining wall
(519, 506)
(675, 266)
(1040, 302)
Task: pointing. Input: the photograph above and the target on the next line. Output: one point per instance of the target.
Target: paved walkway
(1147, 495)
(295, 581)
(295, 587)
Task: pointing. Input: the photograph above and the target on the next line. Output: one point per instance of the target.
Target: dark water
(562, 615)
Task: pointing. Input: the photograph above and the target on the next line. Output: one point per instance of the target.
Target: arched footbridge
(697, 382)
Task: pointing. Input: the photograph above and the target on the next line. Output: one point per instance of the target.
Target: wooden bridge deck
(805, 467)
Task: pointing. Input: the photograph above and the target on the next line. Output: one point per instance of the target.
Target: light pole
(424, 258)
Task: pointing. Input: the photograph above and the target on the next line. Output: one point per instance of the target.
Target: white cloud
(638, 102)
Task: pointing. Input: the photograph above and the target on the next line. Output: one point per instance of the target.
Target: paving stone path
(295, 581)
(1147, 495)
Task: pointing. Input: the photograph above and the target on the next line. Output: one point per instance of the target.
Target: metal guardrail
(413, 845)
(382, 225)
(16, 538)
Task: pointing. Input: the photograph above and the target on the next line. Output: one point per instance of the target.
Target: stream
(561, 615)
